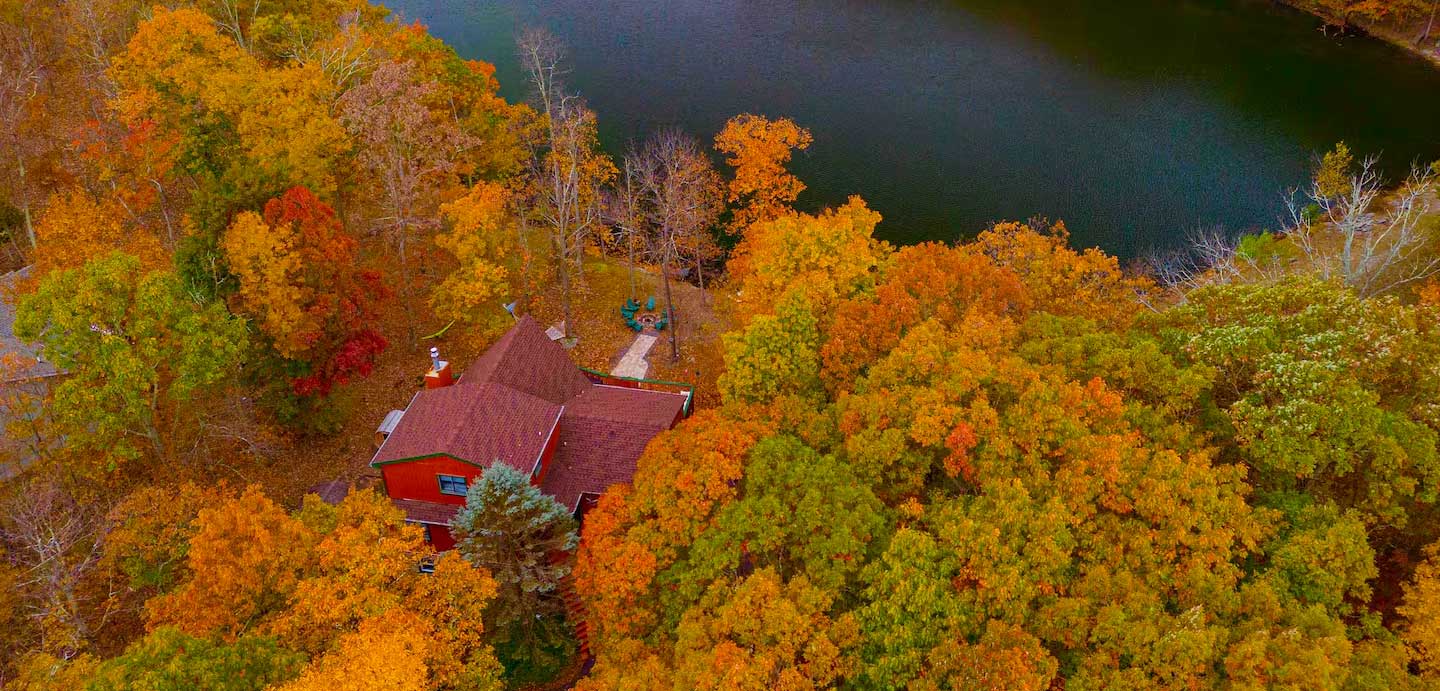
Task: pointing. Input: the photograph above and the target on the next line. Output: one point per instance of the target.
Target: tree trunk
(165, 213)
(631, 236)
(25, 204)
(152, 430)
(580, 260)
(562, 271)
(1431, 23)
(405, 285)
(522, 232)
(674, 324)
(29, 225)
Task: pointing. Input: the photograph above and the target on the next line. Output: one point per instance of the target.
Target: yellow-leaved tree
(179, 72)
(828, 257)
(1422, 613)
(387, 652)
(482, 237)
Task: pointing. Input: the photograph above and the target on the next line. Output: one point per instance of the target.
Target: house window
(452, 484)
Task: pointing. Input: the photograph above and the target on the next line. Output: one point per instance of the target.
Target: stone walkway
(632, 364)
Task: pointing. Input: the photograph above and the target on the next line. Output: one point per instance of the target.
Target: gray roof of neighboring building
(26, 355)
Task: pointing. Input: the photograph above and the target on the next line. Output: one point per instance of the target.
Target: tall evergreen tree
(519, 534)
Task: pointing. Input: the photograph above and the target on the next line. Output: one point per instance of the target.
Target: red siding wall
(441, 539)
(416, 479)
(617, 381)
(547, 455)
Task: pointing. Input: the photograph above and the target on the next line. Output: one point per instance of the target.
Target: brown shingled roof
(603, 431)
(332, 492)
(626, 405)
(430, 512)
(525, 359)
(472, 421)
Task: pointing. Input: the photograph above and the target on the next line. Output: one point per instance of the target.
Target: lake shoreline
(955, 115)
(1400, 37)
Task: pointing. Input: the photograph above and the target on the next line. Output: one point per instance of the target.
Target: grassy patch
(1264, 246)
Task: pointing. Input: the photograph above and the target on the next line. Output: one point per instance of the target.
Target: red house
(523, 403)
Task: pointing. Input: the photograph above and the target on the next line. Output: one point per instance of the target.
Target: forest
(1002, 462)
(1409, 24)
(1389, 11)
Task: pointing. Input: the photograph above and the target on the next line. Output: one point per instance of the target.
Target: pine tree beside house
(524, 538)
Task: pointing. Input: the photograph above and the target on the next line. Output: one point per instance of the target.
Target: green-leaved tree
(170, 660)
(137, 351)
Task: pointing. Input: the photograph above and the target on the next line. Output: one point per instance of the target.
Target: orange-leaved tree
(921, 282)
(1060, 280)
(77, 227)
(758, 149)
(682, 480)
(243, 564)
(327, 578)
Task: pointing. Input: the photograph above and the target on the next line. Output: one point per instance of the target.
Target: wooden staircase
(576, 611)
(574, 607)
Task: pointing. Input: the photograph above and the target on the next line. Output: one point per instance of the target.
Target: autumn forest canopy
(999, 463)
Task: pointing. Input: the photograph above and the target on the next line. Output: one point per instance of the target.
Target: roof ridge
(453, 432)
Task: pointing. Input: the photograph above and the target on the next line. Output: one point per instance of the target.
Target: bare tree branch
(1371, 243)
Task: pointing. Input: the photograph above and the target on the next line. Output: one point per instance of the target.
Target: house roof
(433, 513)
(525, 359)
(332, 492)
(23, 357)
(625, 405)
(478, 422)
(508, 402)
(23, 400)
(602, 434)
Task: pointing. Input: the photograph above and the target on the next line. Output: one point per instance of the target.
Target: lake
(1132, 121)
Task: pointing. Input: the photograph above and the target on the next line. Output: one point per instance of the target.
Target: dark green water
(1133, 121)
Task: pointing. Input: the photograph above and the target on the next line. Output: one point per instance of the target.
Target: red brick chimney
(439, 374)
